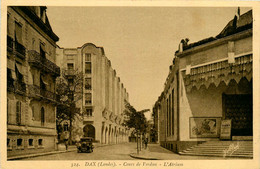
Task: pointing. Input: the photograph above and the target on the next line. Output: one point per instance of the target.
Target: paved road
(110, 152)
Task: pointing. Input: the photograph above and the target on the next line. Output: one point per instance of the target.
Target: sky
(139, 41)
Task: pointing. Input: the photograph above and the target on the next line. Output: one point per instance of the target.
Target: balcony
(10, 44)
(20, 50)
(48, 95)
(10, 85)
(37, 92)
(16, 87)
(69, 72)
(87, 117)
(34, 91)
(43, 63)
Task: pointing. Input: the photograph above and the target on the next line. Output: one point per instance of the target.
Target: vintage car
(85, 145)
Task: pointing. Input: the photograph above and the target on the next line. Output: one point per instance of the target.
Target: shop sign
(225, 130)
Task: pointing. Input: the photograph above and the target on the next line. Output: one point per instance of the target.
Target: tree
(136, 120)
(69, 90)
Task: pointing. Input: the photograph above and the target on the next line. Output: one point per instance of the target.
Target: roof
(237, 25)
(46, 27)
(234, 26)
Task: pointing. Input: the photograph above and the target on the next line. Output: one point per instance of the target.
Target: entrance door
(239, 108)
(89, 131)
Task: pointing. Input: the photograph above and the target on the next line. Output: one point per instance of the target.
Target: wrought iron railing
(69, 72)
(48, 95)
(44, 63)
(10, 85)
(36, 91)
(19, 86)
(88, 117)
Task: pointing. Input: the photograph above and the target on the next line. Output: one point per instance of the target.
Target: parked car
(85, 145)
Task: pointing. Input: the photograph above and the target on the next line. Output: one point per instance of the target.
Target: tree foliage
(135, 119)
(69, 88)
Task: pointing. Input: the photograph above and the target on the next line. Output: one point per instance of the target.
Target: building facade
(104, 96)
(209, 81)
(31, 74)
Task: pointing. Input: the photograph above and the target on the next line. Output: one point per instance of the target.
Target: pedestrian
(145, 142)
(66, 143)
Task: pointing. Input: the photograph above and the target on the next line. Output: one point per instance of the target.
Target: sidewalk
(153, 152)
(70, 149)
(17, 157)
(156, 152)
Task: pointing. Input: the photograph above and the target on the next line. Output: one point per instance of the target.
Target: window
(66, 127)
(172, 111)
(30, 142)
(87, 57)
(70, 82)
(33, 44)
(18, 113)
(88, 83)
(8, 25)
(42, 50)
(170, 114)
(89, 112)
(167, 118)
(18, 72)
(87, 67)
(19, 142)
(8, 111)
(33, 113)
(43, 83)
(8, 142)
(42, 116)
(40, 143)
(18, 32)
(70, 66)
(88, 98)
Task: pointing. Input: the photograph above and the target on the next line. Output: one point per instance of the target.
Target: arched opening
(106, 136)
(42, 116)
(102, 135)
(89, 131)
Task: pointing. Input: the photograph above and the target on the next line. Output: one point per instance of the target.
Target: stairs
(237, 149)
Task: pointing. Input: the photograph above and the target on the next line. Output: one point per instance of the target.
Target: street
(109, 152)
(120, 152)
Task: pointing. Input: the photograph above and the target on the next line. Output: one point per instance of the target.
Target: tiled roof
(234, 26)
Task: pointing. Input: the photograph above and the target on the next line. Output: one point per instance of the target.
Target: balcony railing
(10, 44)
(19, 87)
(20, 50)
(43, 63)
(36, 91)
(10, 85)
(48, 95)
(87, 117)
(70, 72)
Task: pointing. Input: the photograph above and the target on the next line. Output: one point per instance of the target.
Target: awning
(42, 46)
(13, 75)
(44, 80)
(19, 68)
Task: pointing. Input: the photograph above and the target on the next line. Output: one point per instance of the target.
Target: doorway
(239, 108)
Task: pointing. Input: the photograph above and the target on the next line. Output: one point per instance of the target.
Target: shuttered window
(18, 33)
